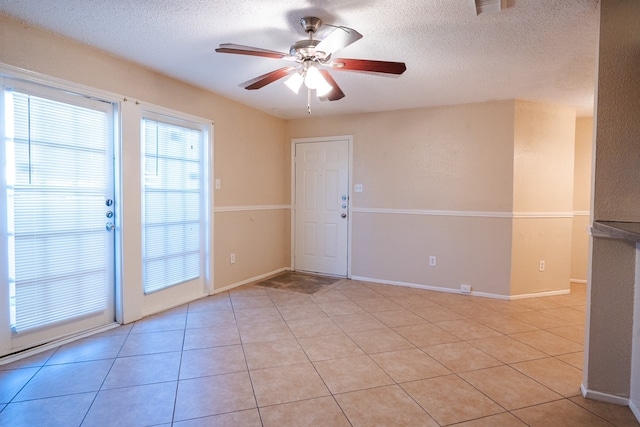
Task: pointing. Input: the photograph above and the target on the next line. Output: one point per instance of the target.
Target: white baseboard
(457, 291)
(635, 410)
(540, 294)
(580, 281)
(429, 287)
(604, 397)
(250, 280)
(409, 285)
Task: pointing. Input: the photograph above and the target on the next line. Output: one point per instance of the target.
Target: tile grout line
(354, 298)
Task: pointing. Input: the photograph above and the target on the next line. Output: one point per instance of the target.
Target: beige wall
(535, 240)
(449, 180)
(609, 326)
(617, 198)
(251, 161)
(581, 198)
(441, 174)
(544, 140)
(616, 195)
(582, 164)
(259, 239)
(470, 250)
(450, 158)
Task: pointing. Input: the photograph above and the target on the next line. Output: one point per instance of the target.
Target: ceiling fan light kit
(294, 82)
(314, 57)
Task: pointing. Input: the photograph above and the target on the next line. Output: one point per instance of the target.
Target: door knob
(344, 215)
(110, 226)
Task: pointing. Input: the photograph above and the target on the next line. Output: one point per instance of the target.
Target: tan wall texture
(456, 159)
(449, 180)
(616, 198)
(544, 142)
(469, 250)
(543, 158)
(427, 158)
(581, 198)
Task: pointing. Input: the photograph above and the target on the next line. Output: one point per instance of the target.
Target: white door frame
(295, 141)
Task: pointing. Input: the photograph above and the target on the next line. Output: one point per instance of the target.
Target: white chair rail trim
(251, 208)
(478, 214)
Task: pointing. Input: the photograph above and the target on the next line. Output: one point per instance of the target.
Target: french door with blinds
(57, 216)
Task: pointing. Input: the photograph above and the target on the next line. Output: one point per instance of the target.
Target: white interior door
(322, 207)
(57, 194)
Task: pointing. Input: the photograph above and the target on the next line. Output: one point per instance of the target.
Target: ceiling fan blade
(339, 38)
(367, 65)
(335, 93)
(265, 79)
(248, 50)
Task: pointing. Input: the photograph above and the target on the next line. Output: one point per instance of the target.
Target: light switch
(217, 183)
(358, 188)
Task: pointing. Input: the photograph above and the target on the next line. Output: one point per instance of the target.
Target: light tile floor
(359, 354)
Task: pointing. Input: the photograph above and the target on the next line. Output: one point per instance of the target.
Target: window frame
(175, 118)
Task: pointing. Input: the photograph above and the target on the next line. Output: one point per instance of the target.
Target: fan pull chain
(309, 100)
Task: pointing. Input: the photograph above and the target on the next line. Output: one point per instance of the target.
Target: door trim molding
(294, 141)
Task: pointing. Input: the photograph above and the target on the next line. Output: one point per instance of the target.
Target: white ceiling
(539, 50)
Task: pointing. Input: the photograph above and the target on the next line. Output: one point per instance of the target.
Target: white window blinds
(172, 204)
(57, 155)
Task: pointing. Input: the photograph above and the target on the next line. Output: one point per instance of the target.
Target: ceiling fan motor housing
(306, 50)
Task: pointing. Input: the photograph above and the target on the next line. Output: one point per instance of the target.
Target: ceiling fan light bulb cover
(313, 78)
(294, 82)
(323, 88)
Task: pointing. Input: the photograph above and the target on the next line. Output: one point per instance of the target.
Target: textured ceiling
(539, 50)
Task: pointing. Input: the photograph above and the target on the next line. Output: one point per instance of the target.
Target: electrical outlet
(232, 258)
(432, 261)
(465, 289)
(218, 184)
(541, 265)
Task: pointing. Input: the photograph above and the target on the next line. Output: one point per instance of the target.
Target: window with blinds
(172, 212)
(57, 176)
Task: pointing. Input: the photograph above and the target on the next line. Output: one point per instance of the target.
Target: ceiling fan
(314, 60)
